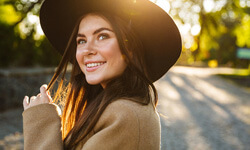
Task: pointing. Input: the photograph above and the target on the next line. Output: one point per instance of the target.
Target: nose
(87, 49)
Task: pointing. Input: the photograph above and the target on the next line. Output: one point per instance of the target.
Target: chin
(93, 82)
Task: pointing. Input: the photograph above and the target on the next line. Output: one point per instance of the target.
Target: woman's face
(98, 53)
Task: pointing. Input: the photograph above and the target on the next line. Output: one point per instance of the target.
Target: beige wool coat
(124, 125)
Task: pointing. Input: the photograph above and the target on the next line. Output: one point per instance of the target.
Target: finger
(50, 99)
(49, 96)
(43, 89)
(25, 102)
(39, 95)
(32, 98)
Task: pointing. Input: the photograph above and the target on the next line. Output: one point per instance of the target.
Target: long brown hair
(85, 103)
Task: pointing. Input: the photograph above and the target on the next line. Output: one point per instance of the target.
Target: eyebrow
(95, 32)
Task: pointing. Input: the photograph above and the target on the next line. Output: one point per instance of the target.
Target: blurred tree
(21, 43)
(213, 29)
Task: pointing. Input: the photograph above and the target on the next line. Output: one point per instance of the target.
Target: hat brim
(155, 28)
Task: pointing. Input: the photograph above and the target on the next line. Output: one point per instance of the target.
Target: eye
(103, 36)
(81, 41)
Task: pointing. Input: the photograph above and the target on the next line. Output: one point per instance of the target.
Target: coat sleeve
(117, 128)
(42, 128)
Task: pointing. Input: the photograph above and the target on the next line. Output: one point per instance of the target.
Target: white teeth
(93, 64)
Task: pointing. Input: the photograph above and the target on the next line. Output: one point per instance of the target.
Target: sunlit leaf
(8, 15)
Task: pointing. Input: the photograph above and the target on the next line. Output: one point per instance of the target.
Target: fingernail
(26, 98)
(45, 86)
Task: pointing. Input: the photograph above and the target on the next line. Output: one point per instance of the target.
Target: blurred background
(215, 36)
(212, 30)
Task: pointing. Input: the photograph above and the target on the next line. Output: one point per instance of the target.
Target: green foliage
(224, 28)
(8, 15)
(18, 45)
(242, 32)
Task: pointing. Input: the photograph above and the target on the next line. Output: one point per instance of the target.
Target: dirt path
(202, 112)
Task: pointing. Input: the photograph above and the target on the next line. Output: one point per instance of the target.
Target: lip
(92, 69)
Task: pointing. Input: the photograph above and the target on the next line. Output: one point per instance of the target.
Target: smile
(90, 65)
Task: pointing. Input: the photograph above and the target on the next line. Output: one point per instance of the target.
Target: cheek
(78, 57)
(113, 51)
(122, 63)
(118, 62)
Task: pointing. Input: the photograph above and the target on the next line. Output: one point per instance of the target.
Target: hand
(41, 98)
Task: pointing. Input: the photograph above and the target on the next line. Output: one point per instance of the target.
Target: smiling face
(98, 53)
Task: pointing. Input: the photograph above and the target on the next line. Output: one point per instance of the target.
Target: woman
(117, 48)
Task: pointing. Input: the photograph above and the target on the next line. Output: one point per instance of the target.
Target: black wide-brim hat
(155, 28)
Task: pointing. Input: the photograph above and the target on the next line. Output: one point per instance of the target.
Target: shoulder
(120, 112)
(127, 105)
(123, 106)
(126, 110)
(131, 123)
(126, 113)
